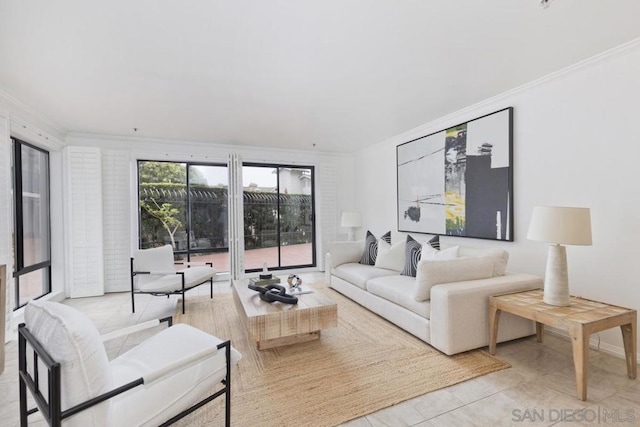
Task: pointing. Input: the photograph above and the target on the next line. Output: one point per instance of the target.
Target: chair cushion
(71, 339)
(358, 274)
(431, 273)
(173, 282)
(156, 402)
(154, 259)
(399, 290)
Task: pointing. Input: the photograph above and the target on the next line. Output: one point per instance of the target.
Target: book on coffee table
(264, 282)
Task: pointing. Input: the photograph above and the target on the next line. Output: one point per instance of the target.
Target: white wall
(576, 143)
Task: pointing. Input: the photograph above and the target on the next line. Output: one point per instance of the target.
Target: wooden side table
(582, 318)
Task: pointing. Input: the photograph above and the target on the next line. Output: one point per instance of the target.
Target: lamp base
(352, 234)
(556, 280)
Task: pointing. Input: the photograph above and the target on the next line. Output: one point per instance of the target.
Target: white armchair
(153, 272)
(158, 382)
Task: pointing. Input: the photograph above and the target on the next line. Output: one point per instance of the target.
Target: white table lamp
(559, 225)
(351, 220)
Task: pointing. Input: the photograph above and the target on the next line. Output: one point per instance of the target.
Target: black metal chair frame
(51, 410)
(178, 292)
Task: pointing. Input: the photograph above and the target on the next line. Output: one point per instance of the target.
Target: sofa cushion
(390, 257)
(431, 273)
(500, 257)
(399, 290)
(413, 253)
(359, 274)
(71, 339)
(371, 247)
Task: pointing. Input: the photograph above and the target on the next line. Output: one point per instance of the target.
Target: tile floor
(539, 389)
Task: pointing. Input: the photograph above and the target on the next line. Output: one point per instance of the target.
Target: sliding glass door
(279, 221)
(185, 205)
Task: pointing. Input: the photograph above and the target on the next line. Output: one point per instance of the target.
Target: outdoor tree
(167, 175)
(166, 214)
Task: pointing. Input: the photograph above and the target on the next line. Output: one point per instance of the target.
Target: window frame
(18, 222)
(279, 166)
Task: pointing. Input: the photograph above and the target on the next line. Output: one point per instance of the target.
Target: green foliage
(166, 214)
(168, 172)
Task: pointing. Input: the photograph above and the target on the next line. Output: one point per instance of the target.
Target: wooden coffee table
(277, 324)
(582, 318)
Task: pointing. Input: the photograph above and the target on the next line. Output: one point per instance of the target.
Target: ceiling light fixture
(545, 3)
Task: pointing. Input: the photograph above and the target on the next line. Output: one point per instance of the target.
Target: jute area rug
(364, 365)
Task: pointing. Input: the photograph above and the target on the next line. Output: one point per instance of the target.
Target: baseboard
(613, 350)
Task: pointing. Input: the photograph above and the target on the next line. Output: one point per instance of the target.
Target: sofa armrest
(344, 252)
(460, 311)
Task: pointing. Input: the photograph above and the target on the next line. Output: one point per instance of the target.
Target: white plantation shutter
(83, 221)
(116, 200)
(327, 209)
(236, 217)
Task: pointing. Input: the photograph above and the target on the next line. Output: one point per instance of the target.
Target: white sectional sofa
(453, 320)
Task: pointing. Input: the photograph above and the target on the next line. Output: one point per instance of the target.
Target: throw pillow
(500, 257)
(435, 242)
(390, 257)
(431, 273)
(431, 254)
(413, 253)
(371, 247)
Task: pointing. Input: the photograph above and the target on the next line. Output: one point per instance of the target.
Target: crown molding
(177, 145)
(27, 122)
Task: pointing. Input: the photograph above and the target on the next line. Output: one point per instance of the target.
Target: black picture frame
(459, 181)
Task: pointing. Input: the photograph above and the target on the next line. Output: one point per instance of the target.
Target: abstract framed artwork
(459, 181)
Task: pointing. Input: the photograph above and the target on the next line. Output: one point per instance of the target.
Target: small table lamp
(559, 225)
(351, 220)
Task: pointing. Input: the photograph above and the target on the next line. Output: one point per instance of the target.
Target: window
(185, 205)
(32, 272)
(279, 220)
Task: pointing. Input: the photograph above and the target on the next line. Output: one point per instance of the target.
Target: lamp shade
(351, 219)
(561, 225)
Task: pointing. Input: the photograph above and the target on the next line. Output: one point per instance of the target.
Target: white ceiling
(287, 73)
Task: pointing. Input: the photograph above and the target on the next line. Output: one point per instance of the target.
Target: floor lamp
(559, 226)
(351, 220)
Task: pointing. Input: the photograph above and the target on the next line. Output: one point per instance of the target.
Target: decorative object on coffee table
(273, 293)
(265, 275)
(558, 226)
(294, 281)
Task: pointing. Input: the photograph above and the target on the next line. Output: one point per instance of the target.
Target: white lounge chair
(153, 272)
(63, 363)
